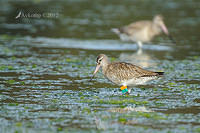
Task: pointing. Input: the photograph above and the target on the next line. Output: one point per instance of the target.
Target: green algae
(46, 88)
(11, 81)
(113, 101)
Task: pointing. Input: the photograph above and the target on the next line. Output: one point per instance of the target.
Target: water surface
(46, 65)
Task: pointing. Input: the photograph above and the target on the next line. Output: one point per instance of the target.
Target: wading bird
(124, 74)
(143, 31)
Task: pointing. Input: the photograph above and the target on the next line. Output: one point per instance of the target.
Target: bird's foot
(124, 89)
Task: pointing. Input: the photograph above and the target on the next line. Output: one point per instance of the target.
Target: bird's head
(158, 20)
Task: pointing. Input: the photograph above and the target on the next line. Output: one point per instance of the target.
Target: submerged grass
(113, 101)
(4, 67)
(11, 81)
(149, 115)
(48, 89)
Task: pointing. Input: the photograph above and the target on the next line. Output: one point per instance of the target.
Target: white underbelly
(124, 37)
(141, 36)
(139, 81)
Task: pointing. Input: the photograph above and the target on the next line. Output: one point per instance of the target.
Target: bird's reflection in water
(139, 58)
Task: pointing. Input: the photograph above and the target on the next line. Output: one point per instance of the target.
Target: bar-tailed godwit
(124, 74)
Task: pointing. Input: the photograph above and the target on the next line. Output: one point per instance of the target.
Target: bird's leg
(139, 44)
(139, 51)
(129, 91)
(124, 89)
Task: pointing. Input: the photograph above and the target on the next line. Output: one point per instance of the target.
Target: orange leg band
(123, 87)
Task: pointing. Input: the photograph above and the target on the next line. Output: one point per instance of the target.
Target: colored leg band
(123, 87)
(124, 90)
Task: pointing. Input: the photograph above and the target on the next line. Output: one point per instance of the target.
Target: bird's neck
(105, 66)
(155, 29)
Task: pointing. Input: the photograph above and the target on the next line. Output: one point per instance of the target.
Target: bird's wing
(126, 71)
(135, 27)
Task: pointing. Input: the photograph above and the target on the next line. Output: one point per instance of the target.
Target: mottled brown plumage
(125, 74)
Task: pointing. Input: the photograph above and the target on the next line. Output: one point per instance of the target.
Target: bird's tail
(115, 30)
(160, 73)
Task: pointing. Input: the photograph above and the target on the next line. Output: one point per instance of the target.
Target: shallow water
(46, 65)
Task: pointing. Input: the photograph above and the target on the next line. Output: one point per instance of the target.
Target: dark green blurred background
(46, 63)
(93, 19)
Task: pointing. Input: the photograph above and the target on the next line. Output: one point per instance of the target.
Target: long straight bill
(95, 71)
(91, 78)
(172, 39)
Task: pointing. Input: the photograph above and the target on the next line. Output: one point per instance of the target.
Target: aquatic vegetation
(18, 124)
(6, 68)
(122, 120)
(45, 76)
(57, 92)
(113, 101)
(34, 66)
(11, 81)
